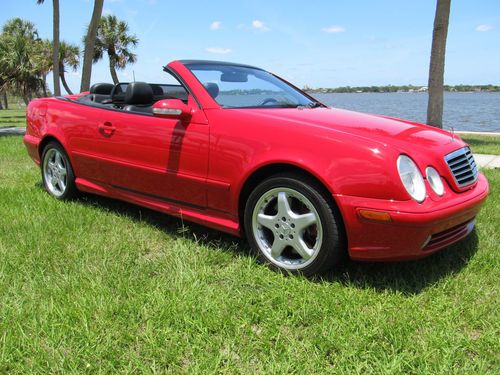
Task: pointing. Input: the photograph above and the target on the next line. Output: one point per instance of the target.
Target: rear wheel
(57, 173)
(292, 227)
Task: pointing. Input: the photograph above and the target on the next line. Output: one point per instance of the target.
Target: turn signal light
(375, 215)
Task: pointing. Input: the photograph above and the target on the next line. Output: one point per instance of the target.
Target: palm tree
(112, 37)
(55, 51)
(89, 45)
(20, 57)
(436, 69)
(69, 55)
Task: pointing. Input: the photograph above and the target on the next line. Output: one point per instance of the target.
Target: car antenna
(133, 75)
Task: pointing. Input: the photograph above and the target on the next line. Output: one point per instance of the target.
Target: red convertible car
(236, 148)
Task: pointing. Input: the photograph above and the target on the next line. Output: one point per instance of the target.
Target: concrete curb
(487, 161)
(12, 131)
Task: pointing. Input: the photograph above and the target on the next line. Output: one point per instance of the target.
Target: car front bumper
(414, 230)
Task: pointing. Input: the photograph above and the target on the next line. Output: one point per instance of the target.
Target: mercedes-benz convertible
(238, 149)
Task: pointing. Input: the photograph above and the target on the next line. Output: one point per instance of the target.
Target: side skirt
(210, 218)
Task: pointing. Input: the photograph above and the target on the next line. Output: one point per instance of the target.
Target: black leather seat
(212, 88)
(139, 97)
(101, 88)
(100, 92)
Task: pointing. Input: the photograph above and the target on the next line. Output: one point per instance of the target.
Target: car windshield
(234, 86)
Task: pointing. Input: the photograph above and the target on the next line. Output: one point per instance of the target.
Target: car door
(146, 155)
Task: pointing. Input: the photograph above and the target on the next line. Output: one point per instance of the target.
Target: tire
(292, 227)
(57, 174)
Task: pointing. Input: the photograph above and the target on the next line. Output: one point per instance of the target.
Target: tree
(45, 62)
(436, 69)
(21, 58)
(113, 38)
(55, 43)
(69, 55)
(89, 45)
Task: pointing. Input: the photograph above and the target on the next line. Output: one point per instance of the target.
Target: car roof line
(213, 62)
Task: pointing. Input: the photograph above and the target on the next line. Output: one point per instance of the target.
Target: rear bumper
(415, 230)
(31, 144)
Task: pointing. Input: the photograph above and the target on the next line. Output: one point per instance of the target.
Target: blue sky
(315, 43)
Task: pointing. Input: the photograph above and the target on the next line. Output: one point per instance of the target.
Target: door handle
(106, 128)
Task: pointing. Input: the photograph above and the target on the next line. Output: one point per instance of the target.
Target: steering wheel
(269, 101)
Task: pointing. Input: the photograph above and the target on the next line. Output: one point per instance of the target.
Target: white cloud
(215, 25)
(484, 28)
(333, 29)
(259, 25)
(218, 50)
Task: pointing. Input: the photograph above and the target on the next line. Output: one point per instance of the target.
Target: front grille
(449, 236)
(462, 166)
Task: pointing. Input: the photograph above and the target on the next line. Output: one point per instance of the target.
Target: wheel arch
(45, 141)
(269, 170)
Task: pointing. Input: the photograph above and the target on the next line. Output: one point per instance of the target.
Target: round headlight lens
(435, 180)
(411, 178)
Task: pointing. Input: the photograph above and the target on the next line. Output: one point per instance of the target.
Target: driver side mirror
(173, 109)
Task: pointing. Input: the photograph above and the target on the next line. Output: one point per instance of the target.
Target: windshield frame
(194, 65)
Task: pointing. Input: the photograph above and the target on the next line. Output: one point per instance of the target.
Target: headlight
(435, 180)
(411, 178)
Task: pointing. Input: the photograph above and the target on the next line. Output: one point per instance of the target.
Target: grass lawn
(12, 117)
(96, 285)
(482, 144)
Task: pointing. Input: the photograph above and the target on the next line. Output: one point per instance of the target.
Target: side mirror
(173, 109)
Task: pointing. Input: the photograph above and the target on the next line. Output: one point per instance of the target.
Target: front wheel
(57, 174)
(292, 227)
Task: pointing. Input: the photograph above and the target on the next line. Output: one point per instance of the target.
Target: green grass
(97, 285)
(12, 117)
(482, 144)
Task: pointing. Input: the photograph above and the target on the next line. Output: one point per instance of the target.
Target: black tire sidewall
(71, 190)
(332, 248)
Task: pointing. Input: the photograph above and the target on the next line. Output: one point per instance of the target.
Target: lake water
(462, 111)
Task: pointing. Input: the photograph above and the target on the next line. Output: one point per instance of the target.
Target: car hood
(404, 135)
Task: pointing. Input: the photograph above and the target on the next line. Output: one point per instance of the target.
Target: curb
(12, 131)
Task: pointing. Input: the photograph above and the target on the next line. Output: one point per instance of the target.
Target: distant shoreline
(402, 89)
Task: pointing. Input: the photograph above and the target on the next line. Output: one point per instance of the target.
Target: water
(463, 111)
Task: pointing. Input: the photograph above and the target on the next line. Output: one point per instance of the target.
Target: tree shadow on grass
(409, 278)
(168, 224)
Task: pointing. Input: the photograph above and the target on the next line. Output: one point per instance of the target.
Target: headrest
(101, 88)
(212, 88)
(139, 93)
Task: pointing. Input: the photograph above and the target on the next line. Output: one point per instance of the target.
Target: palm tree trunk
(63, 80)
(112, 70)
(5, 101)
(436, 69)
(89, 45)
(55, 52)
(26, 95)
(44, 85)
(1, 107)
